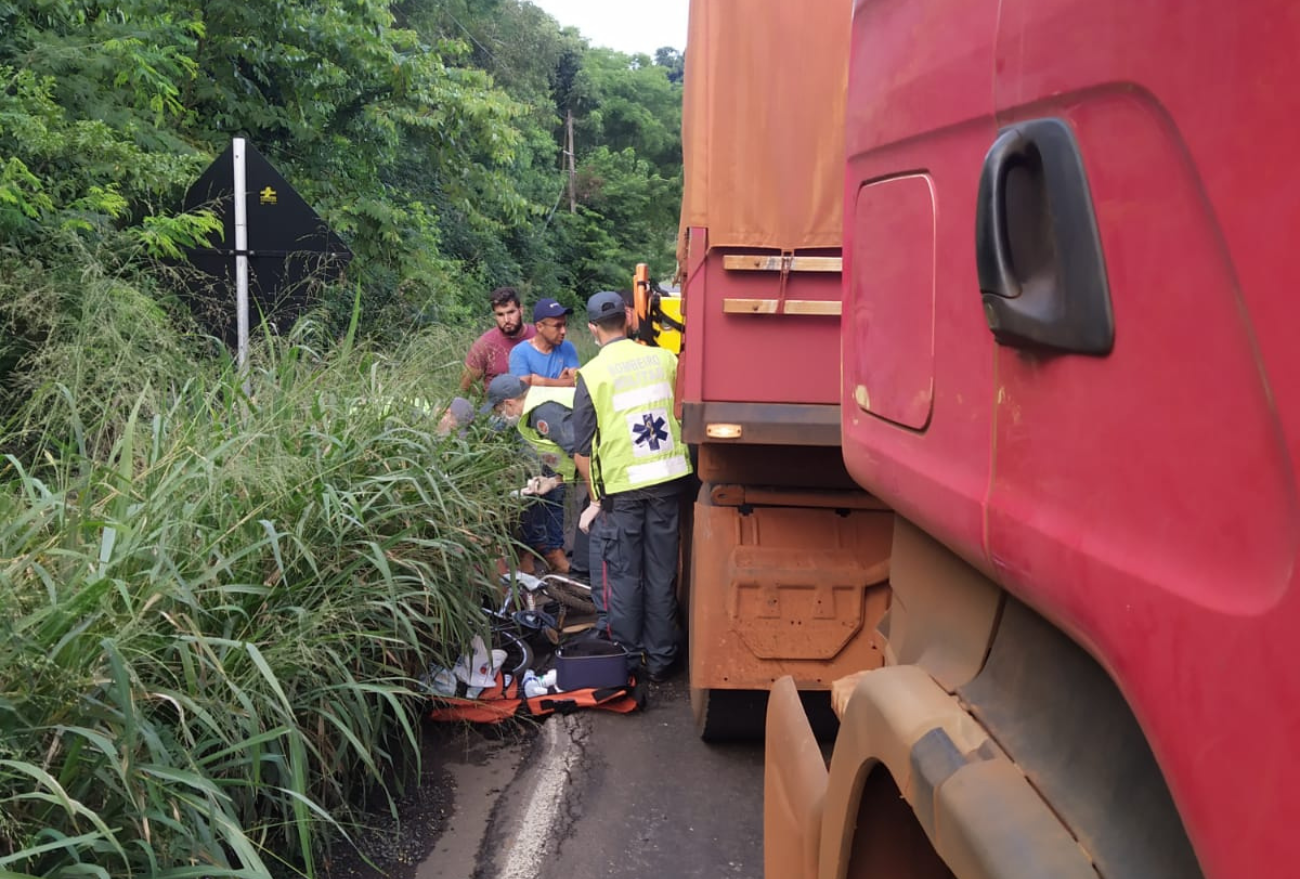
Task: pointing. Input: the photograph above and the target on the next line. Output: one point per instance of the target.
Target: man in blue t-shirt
(547, 360)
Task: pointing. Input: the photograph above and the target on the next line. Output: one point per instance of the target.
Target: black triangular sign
(291, 251)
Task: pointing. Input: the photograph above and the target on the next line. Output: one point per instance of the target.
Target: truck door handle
(1042, 273)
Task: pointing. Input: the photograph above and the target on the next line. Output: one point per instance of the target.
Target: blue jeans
(543, 521)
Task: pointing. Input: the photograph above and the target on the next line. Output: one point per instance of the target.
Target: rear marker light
(722, 431)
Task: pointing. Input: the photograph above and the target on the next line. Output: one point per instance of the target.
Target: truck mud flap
(794, 785)
(979, 813)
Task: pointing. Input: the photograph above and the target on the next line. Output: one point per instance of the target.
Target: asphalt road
(593, 794)
(652, 800)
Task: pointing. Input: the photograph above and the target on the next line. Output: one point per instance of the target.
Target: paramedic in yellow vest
(629, 449)
(544, 417)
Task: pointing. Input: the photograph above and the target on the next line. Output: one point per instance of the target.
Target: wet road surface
(593, 794)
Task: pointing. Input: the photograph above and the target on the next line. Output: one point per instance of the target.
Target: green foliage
(65, 172)
(629, 103)
(22, 198)
(105, 340)
(620, 104)
(169, 236)
(215, 607)
(429, 134)
(627, 215)
(673, 62)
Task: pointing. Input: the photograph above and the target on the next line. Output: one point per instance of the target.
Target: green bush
(214, 605)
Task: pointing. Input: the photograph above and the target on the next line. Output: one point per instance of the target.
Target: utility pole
(573, 199)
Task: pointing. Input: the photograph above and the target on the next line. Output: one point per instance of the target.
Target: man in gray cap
(457, 416)
(544, 418)
(630, 451)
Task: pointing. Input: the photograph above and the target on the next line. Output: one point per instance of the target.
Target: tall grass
(213, 603)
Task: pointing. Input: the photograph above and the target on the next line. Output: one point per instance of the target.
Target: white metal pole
(241, 257)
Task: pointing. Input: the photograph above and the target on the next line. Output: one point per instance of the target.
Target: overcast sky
(629, 26)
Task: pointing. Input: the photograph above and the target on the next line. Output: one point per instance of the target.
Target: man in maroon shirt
(489, 356)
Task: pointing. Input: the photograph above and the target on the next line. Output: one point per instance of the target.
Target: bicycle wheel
(519, 655)
(570, 593)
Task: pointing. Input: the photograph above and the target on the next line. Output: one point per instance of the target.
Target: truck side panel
(1141, 497)
(929, 122)
(738, 351)
(1146, 501)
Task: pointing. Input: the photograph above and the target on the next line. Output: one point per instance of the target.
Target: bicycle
(572, 594)
(505, 629)
(519, 616)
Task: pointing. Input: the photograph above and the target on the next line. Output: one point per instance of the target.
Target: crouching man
(544, 417)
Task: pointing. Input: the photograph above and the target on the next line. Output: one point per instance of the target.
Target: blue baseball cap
(549, 308)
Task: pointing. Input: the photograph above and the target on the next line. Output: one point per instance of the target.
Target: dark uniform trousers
(580, 562)
(633, 566)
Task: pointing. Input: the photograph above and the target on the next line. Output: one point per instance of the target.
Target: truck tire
(729, 715)
(741, 715)
(821, 716)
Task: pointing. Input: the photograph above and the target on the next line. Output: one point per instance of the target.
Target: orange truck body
(787, 556)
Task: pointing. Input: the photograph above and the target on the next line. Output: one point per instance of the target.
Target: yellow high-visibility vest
(638, 440)
(548, 450)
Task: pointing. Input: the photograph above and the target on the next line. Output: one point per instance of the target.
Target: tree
(629, 103)
(673, 62)
(429, 133)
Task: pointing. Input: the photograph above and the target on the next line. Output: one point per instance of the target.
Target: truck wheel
(729, 715)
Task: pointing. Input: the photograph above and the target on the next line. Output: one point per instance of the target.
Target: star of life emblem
(650, 434)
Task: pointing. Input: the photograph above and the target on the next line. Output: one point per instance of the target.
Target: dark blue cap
(549, 308)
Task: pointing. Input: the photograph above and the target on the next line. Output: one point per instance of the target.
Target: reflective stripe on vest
(550, 452)
(638, 441)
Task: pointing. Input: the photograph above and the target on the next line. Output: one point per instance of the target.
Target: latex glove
(588, 516)
(539, 485)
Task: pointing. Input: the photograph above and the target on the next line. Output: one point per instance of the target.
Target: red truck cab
(1068, 367)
